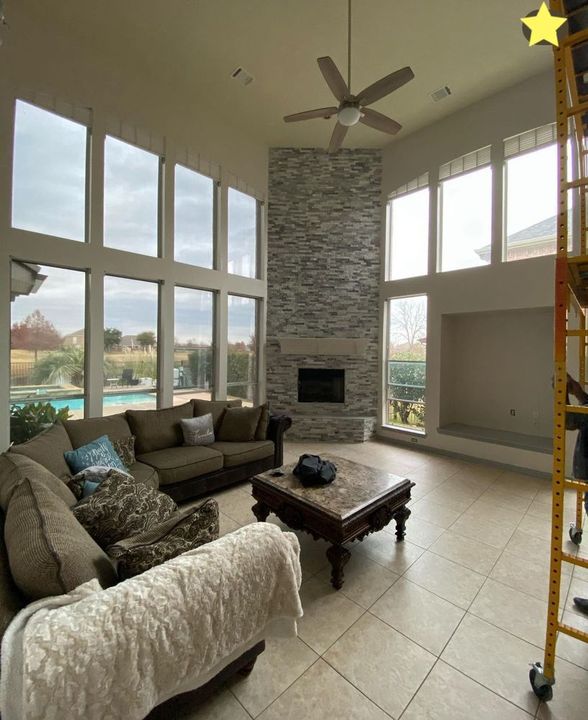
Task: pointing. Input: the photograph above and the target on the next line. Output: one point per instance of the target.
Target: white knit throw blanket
(117, 653)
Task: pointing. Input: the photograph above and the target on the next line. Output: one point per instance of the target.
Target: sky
(531, 196)
(49, 197)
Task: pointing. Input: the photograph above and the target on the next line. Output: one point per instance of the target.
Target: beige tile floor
(440, 627)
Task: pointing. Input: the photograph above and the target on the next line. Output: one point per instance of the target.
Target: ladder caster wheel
(541, 687)
(575, 535)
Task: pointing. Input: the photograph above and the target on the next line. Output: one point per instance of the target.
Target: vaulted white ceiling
(476, 47)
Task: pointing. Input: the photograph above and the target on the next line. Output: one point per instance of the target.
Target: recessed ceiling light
(441, 94)
(242, 76)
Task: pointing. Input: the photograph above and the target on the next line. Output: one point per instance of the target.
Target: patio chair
(127, 377)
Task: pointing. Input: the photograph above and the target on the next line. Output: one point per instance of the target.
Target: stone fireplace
(324, 232)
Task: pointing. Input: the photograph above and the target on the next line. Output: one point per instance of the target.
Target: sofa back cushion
(11, 599)
(158, 429)
(82, 432)
(14, 468)
(47, 448)
(261, 432)
(216, 408)
(49, 552)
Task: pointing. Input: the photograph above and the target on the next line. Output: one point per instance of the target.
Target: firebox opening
(321, 385)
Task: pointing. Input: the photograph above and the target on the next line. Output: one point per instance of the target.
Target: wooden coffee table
(361, 500)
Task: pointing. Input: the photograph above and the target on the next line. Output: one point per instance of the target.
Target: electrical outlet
(513, 412)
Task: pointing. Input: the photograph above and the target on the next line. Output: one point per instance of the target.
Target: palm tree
(64, 366)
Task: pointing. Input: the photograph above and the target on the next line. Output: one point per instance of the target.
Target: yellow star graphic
(544, 26)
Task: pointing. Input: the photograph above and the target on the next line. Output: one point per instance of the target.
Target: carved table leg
(261, 511)
(337, 556)
(247, 669)
(401, 516)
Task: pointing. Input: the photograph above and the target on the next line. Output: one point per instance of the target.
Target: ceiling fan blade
(385, 86)
(337, 137)
(333, 77)
(376, 120)
(310, 114)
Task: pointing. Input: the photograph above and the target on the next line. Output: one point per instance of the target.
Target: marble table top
(354, 487)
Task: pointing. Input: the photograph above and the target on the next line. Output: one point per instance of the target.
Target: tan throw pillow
(261, 432)
(198, 430)
(185, 530)
(49, 552)
(239, 424)
(47, 449)
(122, 507)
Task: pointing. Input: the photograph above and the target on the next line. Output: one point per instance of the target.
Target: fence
(21, 373)
(406, 393)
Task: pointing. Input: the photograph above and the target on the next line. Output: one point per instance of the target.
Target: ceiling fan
(353, 108)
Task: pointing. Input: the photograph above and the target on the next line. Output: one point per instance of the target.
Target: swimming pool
(109, 400)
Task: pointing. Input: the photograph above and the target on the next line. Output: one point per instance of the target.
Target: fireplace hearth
(321, 385)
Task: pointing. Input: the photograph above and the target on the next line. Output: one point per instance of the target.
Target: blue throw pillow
(98, 452)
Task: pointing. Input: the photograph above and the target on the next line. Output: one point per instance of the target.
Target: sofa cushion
(47, 448)
(158, 429)
(183, 463)
(263, 424)
(14, 468)
(81, 432)
(185, 530)
(122, 507)
(145, 473)
(239, 424)
(49, 552)
(235, 453)
(98, 452)
(216, 407)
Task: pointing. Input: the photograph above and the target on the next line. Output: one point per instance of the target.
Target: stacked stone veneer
(324, 231)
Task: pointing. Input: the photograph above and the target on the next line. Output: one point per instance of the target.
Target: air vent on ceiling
(441, 94)
(242, 76)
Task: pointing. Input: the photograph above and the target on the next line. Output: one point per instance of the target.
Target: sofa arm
(278, 425)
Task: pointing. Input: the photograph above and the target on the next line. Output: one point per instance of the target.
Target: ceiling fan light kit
(353, 109)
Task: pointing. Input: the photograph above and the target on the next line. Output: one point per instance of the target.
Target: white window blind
(238, 183)
(545, 135)
(419, 182)
(465, 163)
(134, 135)
(45, 101)
(195, 161)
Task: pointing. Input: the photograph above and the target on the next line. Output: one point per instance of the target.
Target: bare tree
(408, 321)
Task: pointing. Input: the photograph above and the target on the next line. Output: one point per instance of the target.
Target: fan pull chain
(349, 46)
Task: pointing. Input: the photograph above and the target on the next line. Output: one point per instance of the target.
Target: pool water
(109, 400)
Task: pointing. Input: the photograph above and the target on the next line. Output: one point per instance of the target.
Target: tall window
(131, 190)
(46, 343)
(49, 173)
(408, 233)
(406, 362)
(242, 349)
(242, 222)
(531, 194)
(194, 218)
(193, 344)
(130, 344)
(466, 211)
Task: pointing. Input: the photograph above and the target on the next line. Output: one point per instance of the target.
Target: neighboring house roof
(536, 239)
(128, 341)
(25, 279)
(77, 333)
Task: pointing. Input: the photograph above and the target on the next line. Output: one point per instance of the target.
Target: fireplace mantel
(323, 346)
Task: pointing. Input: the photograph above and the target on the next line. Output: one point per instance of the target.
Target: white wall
(38, 57)
(496, 287)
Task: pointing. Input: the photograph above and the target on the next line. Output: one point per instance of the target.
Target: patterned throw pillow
(125, 449)
(185, 530)
(122, 507)
(81, 483)
(98, 452)
(198, 430)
